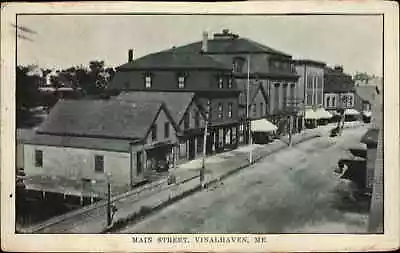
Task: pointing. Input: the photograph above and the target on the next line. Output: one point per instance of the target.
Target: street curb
(146, 211)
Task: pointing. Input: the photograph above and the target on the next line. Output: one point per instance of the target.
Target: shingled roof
(176, 102)
(230, 46)
(172, 59)
(101, 118)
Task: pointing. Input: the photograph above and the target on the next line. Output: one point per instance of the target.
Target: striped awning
(323, 114)
(262, 125)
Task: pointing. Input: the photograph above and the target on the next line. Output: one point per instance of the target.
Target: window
(220, 83)
(230, 110)
(350, 101)
(197, 119)
(186, 122)
(220, 111)
(333, 102)
(166, 130)
(38, 158)
(148, 81)
(237, 65)
(154, 132)
(230, 83)
(261, 109)
(208, 113)
(328, 101)
(181, 82)
(254, 109)
(99, 163)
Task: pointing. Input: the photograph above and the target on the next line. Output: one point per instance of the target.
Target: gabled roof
(366, 93)
(176, 102)
(230, 46)
(101, 118)
(253, 91)
(172, 59)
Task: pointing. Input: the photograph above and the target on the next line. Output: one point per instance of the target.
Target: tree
(27, 93)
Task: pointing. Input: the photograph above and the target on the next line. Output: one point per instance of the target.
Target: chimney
(204, 45)
(338, 68)
(130, 55)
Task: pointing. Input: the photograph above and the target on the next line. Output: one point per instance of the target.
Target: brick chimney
(204, 44)
(130, 55)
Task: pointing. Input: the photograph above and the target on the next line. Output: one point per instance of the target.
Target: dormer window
(238, 63)
(181, 82)
(147, 81)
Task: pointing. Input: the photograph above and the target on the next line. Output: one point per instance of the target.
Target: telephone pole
(203, 161)
(248, 108)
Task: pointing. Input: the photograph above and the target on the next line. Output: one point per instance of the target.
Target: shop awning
(367, 113)
(323, 114)
(311, 114)
(262, 125)
(351, 112)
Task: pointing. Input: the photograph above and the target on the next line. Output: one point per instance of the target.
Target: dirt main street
(292, 191)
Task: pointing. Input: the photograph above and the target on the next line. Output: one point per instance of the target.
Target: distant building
(310, 90)
(82, 141)
(339, 92)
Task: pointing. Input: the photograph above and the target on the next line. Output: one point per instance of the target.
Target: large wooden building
(212, 83)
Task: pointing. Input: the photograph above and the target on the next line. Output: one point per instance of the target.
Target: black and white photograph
(200, 128)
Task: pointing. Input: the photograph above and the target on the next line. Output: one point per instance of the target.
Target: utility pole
(248, 108)
(203, 162)
(290, 129)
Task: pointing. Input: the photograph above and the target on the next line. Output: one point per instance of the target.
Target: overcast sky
(62, 41)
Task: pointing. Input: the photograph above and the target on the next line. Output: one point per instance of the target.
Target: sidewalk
(150, 198)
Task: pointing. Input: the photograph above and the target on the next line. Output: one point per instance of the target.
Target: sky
(63, 41)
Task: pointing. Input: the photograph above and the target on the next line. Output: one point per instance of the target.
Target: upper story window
(147, 81)
(181, 81)
(186, 121)
(230, 81)
(230, 110)
(262, 109)
(208, 108)
(99, 163)
(254, 109)
(38, 158)
(220, 111)
(333, 101)
(220, 82)
(238, 63)
(166, 130)
(328, 101)
(154, 132)
(197, 119)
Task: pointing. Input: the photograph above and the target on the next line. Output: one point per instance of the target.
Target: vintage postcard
(235, 127)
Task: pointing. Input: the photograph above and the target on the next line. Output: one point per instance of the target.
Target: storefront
(159, 157)
(262, 131)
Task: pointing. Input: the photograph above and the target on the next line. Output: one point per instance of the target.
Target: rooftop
(115, 119)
